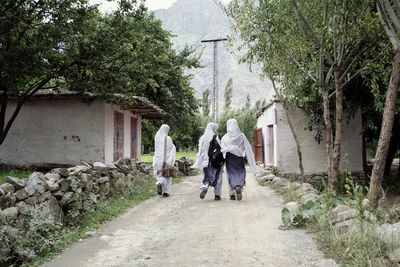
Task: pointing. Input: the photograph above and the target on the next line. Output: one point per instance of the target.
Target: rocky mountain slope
(194, 20)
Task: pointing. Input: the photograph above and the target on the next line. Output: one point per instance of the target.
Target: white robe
(204, 144)
(236, 143)
(158, 158)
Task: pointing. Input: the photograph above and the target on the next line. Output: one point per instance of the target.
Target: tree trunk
(328, 130)
(390, 156)
(299, 153)
(334, 181)
(386, 131)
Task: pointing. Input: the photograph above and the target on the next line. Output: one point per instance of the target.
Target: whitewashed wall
(314, 154)
(60, 131)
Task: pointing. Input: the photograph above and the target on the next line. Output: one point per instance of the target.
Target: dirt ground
(184, 230)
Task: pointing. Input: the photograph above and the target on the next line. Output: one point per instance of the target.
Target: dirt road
(185, 231)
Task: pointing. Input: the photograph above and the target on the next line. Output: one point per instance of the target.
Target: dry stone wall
(64, 188)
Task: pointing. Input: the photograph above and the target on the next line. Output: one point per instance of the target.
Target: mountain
(194, 20)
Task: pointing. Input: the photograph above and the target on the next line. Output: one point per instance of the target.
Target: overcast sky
(151, 4)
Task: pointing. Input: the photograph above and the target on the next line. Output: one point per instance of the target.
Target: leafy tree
(313, 50)
(228, 94)
(390, 16)
(69, 45)
(247, 104)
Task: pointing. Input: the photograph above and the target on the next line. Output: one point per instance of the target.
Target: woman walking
(164, 156)
(212, 170)
(237, 150)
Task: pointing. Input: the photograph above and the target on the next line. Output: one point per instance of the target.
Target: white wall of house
(314, 154)
(59, 131)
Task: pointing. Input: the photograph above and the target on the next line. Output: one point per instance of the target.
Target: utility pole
(215, 92)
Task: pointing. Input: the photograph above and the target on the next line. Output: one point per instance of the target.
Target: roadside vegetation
(14, 173)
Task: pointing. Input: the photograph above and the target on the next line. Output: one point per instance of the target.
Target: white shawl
(159, 140)
(204, 144)
(236, 143)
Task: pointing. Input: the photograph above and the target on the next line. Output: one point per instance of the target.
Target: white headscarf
(204, 144)
(236, 143)
(159, 140)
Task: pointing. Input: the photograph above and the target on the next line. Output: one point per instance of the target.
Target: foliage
(72, 46)
(228, 94)
(301, 215)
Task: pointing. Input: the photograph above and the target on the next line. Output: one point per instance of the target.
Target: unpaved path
(185, 231)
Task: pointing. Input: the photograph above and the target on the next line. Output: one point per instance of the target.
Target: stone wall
(63, 189)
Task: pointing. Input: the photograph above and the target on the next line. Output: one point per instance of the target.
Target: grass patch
(14, 173)
(353, 248)
(189, 154)
(142, 189)
(289, 194)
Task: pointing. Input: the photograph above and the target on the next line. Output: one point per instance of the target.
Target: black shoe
(203, 193)
(233, 197)
(165, 195)
(159, 189)
(238, 190)
(217, 198)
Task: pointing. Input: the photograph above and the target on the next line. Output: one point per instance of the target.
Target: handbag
(167, 171)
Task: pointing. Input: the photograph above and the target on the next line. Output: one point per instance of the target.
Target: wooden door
(258, 145)
(271, 156)
(118, 135)
(134, 137)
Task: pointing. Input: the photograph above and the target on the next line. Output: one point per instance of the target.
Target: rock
(58, 194)
(2, 217)
(30, 190)
(103, 180)
(37, 178)
(394, 256)
(65, 184)
(7, 188)
(2, 193)
(53, 177)
(55, 212)
(66, 199)
(295, 185)
(5, 202)
(75, 184)
(104, 189)
(389, 233)
(11, 213)
(11, 233)
(341, 213)
(63, 172)
(23, 208)
(53, 185)
(100, 167)
(369, 217)
(348, 225)
(84, 178)
(16, 182)
(32, 201)
(308, 197)
(79, 169)
(124, 165)
(306, 187)
(21, 194)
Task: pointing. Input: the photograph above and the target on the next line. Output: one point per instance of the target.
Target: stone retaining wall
(64, 188)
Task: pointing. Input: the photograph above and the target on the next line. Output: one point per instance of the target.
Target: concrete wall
(59, 131)
(314, 154)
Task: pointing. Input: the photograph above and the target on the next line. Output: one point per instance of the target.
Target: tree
(206, 102)
(306, 47)
(72, 46)
(228, 94)
(390, 18)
